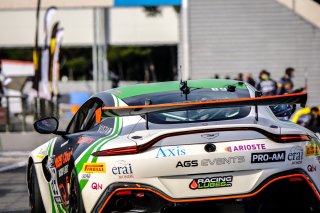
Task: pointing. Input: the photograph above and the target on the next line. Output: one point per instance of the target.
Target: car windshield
(195, 115)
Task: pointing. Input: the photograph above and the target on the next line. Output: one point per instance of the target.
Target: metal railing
(39, 108)
(5, 120)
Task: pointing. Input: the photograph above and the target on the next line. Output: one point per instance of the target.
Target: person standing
(266, 85)
(314, 118)
(313, 122)
(239, 77)
(4, 81)
(250, 80)
(285, 84)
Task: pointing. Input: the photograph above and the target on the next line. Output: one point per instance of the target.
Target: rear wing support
(256, 111)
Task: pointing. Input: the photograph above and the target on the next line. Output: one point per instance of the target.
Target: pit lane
(13, 191)
(13, 187)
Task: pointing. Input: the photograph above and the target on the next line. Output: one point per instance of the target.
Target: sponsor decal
(187, 163)
(62, 159)
(211, 182)
(94, 168)
(312, 150)
(63, 194)
(123, 169)
(312, 168)
(40, 156)
(54, 188)
(96, 186)
(84, 139)
(268, 157)
(51, 162)
(63, 170)
(295, 155)
(104, 129)
(86, 176)
(164, 152)
(57, 199)
(248, 147)
(210, 136)
(222, 161)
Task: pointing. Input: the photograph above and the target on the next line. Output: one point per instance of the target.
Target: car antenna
(184, 85)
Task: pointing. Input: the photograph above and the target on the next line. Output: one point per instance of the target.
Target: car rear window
(195, 115)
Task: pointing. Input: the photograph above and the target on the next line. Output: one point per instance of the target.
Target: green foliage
(177, 9)
(23, 54)
(130, 63)
(75, 67)
(152, 11)
(76, 63)
(123, 53)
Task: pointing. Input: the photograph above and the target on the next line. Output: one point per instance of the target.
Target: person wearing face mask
(266, 85)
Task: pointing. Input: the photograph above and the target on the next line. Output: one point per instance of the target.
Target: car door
(66, 146)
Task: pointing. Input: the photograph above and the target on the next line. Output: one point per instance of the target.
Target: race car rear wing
(295, 98)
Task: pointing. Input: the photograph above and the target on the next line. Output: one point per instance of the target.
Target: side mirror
(46, 125)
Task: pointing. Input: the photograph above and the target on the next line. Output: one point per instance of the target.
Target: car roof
(141, 89)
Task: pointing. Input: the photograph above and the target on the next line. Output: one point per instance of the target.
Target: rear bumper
(158, 201)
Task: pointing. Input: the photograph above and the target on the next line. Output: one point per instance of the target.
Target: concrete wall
(132, 26)
(18, 27)
(228, 37)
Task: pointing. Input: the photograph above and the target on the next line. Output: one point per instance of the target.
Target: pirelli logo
(94, 168)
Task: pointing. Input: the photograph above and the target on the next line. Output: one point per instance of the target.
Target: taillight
(290, 138)
(117, 151)
(141, 148)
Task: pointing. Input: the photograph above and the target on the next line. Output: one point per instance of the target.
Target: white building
(125, 26)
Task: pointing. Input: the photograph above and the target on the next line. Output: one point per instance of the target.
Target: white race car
(198, 145)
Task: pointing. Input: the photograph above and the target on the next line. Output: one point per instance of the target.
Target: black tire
(36, 202)
(75, 199)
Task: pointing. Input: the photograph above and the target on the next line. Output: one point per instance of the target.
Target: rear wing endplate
(295, 98)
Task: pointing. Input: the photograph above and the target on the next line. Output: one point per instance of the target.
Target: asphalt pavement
(14, 152)
(13, 188)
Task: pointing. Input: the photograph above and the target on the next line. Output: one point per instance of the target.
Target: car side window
(85, 118)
